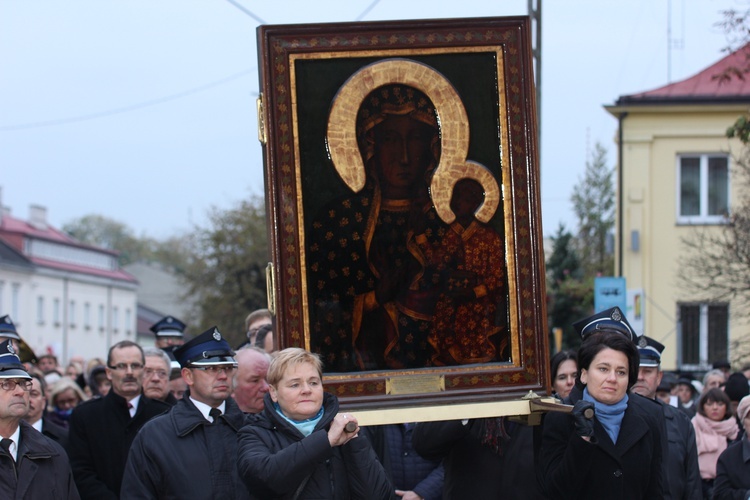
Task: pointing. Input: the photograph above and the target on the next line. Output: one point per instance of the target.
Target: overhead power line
(247, 11)
(125, 109)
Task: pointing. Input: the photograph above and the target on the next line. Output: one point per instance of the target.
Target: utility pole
(535, 13)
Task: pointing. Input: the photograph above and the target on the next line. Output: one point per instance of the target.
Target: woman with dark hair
(564, 370)
(608, 447)
(715, 428)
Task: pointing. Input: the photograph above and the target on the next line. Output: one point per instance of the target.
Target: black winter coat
(733, 472)
(43, 469)
(100, 433)
(182, 455)
(681, 458)
(472, 470)
(631, 469)
(55, 432)
(275, 459)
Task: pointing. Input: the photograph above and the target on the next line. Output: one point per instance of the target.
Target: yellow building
(673, 176)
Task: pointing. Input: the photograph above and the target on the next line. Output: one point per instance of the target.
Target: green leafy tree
(569, 297)
(226, 269)
(103, 232)
(594, 205)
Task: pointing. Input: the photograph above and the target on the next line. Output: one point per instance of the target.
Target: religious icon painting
(402, 189)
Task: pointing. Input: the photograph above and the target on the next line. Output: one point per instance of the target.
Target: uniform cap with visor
(207, 349)
(10, 363)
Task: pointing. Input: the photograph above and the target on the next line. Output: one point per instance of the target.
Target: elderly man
(250, 386)
(38, 416)
(102, 430)
(191, 451)
(156, 375)
(31, 465)
(682, 477)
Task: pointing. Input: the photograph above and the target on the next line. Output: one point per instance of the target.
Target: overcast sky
(144, 111)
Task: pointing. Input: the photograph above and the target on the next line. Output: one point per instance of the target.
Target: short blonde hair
(288, 357)
(63, 385)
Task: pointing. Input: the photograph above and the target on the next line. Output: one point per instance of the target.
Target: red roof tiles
(705, 86)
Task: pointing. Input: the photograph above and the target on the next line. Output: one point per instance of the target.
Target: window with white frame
(40, 310)
(115, 318)
(704, 334)
(87, 316)
(101, 317)
(72, 313)
(15, 299)
(128, 319)
(703, 188)
(56, 312)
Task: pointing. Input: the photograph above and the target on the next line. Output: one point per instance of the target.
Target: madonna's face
(402, 154)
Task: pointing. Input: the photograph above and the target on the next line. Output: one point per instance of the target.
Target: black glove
(584, 426)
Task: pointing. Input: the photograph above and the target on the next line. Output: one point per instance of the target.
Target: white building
(64, 297)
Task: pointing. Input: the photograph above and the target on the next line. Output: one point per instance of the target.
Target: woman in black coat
(299, 447)
(733, 468)
(615, 454)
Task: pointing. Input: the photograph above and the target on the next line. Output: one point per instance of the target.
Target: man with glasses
(31, 465)
(156, 376)
(200, 430)
(102, 430)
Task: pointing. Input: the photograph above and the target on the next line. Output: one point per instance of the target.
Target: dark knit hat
(736, 387)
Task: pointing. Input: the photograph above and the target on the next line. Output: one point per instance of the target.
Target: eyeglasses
(124, 366)
(10, 384)
(215, 369)
(150, 372)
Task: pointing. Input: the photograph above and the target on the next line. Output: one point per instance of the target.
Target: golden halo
(454, 132)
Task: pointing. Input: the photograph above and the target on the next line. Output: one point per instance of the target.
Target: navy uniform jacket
(681, 459)
(182, 455)
(42, 469)
(100, 434)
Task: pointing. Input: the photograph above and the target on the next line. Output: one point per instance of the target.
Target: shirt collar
(15, 437)
(204, 408)
(134, 402)
(38, 425)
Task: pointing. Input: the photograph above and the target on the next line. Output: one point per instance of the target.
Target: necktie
(214, 413)
(5, 444)
(130, 409)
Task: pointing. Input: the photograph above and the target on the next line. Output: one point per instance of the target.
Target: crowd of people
(199, 419)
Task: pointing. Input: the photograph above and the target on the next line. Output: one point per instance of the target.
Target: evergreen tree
(594, 205)
(568, 296)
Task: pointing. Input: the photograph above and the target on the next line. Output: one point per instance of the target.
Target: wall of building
(652, 139)
(62, 326)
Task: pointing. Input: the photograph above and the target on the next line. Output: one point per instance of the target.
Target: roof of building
(704, 87)
(11, 256)
(16, 233)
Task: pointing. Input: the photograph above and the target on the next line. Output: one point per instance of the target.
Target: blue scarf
(304, 426)
(610, 416)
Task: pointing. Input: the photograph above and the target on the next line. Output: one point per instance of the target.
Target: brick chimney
(38, 217)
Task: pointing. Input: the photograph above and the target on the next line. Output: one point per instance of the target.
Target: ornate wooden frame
(485, 60)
